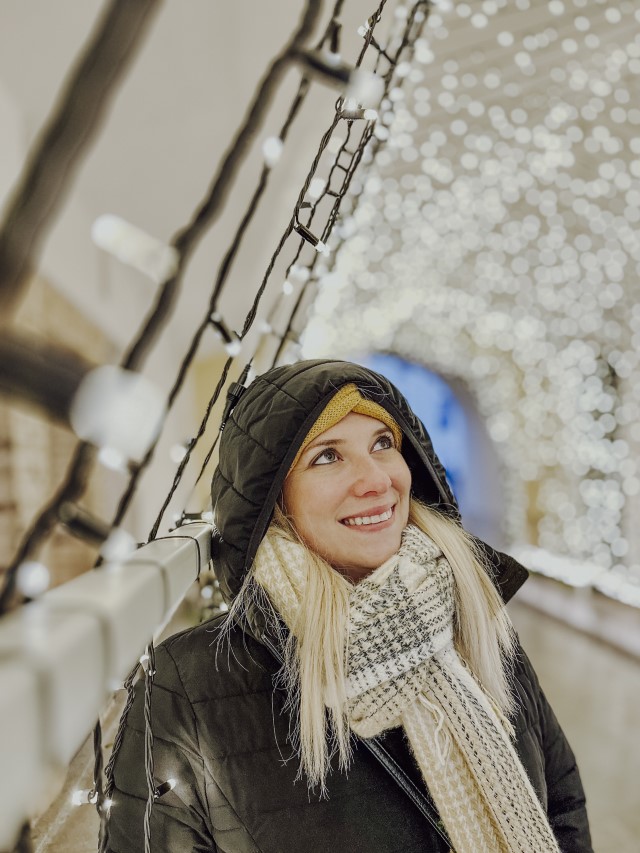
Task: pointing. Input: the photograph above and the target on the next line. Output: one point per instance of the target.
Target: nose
(369, 477)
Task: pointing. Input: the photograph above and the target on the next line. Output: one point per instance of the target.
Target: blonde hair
(314, 651)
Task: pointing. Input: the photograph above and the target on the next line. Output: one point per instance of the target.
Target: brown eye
(326, 457)
(384, 442)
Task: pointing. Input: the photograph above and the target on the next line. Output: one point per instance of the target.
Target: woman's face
(348, 496)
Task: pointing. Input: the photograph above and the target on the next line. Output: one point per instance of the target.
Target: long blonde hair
(314, 650)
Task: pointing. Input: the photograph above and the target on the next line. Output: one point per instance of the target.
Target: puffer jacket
(220, 722)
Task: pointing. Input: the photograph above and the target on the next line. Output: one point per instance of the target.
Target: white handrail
(62, 656)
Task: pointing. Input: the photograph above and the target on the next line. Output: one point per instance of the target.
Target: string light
(117, 409)
(496, 239)
(144, 663)
(164, 788)
(299, 274)
(365, 88)
(119, 545)
(326, 66)
(177, 452)
(118, 454)
(83, 798)
(311, 238)
(232, 343)
(355, 113)
(316, 189)
(33, 578)
(81, 523)
(112, 459)
(272, 150)
(132, 246)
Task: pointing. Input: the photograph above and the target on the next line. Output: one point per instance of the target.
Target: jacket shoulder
(214, 661)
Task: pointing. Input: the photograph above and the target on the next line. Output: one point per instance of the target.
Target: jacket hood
(262, 436)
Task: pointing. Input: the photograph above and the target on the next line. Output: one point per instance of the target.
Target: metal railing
(62, 656)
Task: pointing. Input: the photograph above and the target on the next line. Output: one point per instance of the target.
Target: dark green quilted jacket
(220, 725)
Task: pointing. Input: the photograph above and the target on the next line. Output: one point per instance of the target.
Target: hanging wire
(24, 844)
(221, 279)
(117, 741)
(409, 34)
(415, 22)
(201, 431)
(65, 138)
(185, 241)
(150, 671)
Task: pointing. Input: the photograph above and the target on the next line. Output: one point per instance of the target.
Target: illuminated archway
(448, 412)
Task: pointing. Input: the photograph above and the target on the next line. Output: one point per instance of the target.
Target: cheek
(306, 502)
(402, 478)
(310, 510)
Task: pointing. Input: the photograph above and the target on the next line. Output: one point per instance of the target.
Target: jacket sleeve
(179, 819)
(566, 804)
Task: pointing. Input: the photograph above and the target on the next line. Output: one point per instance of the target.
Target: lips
(378, 515)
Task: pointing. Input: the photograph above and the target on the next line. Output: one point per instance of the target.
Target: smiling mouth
(367, 520)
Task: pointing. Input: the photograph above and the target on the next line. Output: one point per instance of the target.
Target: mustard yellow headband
(349, 399)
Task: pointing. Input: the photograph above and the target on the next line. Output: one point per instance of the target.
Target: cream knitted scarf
(403, 669)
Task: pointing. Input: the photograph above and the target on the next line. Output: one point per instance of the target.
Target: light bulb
(112, 459)
(134, 247)
(119, 545)
(177, 453)
(32, 578)
(365, 88)
(299, 273)
(272, 150)
(117, 409)
(316, 188)
(82, 798)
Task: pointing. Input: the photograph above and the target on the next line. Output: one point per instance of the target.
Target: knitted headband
(347, 400)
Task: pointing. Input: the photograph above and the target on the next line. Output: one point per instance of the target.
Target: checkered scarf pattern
(403, 670)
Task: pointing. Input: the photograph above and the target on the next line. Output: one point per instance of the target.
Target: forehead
(352, 426)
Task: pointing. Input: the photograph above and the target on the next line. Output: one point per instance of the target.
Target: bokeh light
(496, 240)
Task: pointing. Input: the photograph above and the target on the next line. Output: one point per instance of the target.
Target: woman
(366, 692)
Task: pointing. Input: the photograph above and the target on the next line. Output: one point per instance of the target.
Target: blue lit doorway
(459, 439)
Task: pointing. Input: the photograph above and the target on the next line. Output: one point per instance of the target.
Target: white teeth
(369, 519)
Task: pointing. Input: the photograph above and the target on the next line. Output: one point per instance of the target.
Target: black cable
(40, 373)
(188, 237)
(355, 158)
(65, 138)
(76, 477)
(410, 34)
(149, 674)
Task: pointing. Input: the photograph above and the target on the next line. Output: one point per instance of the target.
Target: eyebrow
(335, 442)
